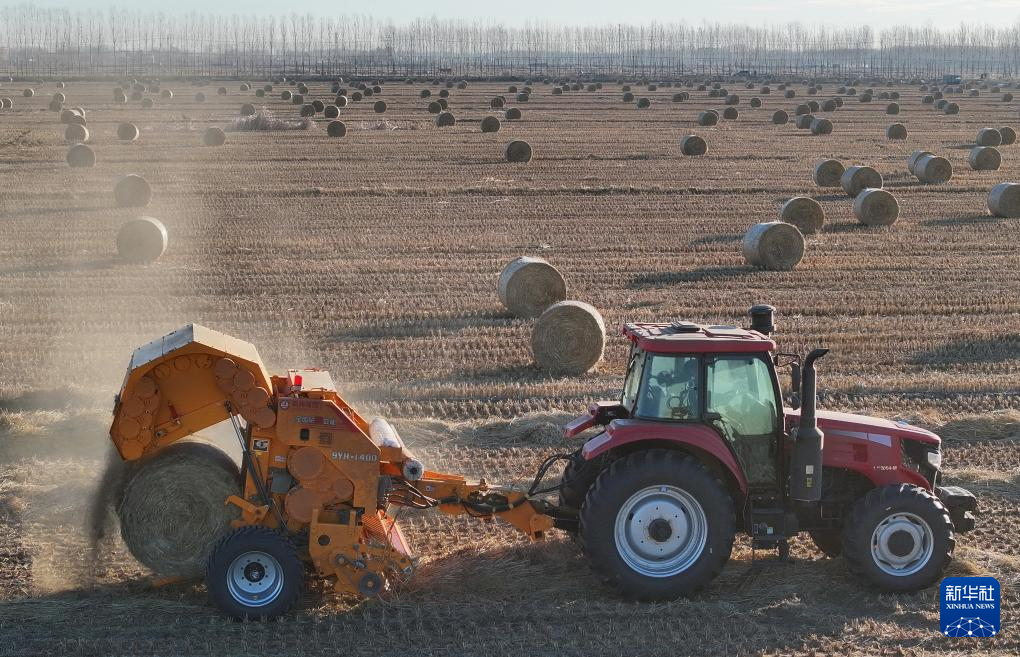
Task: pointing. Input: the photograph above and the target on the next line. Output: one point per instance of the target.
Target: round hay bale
(379, 106)
(445, 119)
(896, 131)
(147, 103)
(319, 106)
(81, 157)
(804, 121)
(803, 212)
(518, 151)
(443, 93)
(756, 102)
(76, 134)
(988, 137)
(941, 104)
(222, 91)
(557, 91)
(779, 117)
(331, 111)
(858, 178)
(827, 173)
(214, 137)
(497, 102)
(286, 94)
(914, 157)
(628, 97)
(653, 87)
(132, 191)
(28, 93)
(424, 93)
(1007, 98)
(490, 124)
(643, 103)
(693, 145)
(523, 97)
(974, 93)
(892, 108)
(985, 158)
(802, 109)
(765, 91)
(569, 338)
(298, 99)
(528, 285)
(894, 95)
(821, 126)
(443, 103)
(951, 108)
(6, 103)
(308, 110)
(932, 169)
(850, 92)
(730, 113)
(143, 239)
(511, 89)
(678, 97)
(876, 207)
(127, 132)
(1008, 135)
(813, 106)
(172, 513)
(341, 101)
(166, 94)
(1004, 200)
(56, 106)
(434, 107)
(336, 129)
(789, 93)
(707, 118)
(247, 109)
(928, 100)
(512, 113)
(776, 246)
(67, 115)
(731, 99)
(200, 97)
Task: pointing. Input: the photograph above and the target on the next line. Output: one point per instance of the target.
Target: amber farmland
(376, 254)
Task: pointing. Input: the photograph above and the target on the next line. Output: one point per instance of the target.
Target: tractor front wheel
(899, 538)
(657, 525)
(254, 573)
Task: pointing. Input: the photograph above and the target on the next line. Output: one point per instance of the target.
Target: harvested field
(376, 256)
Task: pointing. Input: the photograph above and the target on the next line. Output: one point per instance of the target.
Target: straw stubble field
(376, 256)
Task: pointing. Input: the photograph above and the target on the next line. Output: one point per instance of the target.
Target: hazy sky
(878, 13)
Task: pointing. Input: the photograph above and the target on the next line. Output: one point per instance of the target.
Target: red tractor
(701, 446)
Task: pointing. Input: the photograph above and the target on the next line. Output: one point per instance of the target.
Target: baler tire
(619, 485)
(876, 508)
(828, 541)
(255, 539)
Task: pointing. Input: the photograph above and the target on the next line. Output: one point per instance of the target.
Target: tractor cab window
(742, 396)
(633, 382)
(669, 388)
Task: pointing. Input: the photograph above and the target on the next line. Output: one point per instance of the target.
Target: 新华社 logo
(969, 606)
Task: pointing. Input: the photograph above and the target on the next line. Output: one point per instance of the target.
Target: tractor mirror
(795, 385)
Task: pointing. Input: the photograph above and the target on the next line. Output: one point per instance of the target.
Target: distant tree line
(36, 41)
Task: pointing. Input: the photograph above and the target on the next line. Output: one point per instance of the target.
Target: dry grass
(376, 257)
(265, 120)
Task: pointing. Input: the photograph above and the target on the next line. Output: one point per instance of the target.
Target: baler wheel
(255, 573)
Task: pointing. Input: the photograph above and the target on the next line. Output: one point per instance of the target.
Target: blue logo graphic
(969, 606)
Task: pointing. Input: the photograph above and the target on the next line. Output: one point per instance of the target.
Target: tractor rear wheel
(578, 477)
(172, 509)
(657, 525)
(899, 538)
(254, 573)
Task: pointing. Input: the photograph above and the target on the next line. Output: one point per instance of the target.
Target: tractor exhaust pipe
(806, 462)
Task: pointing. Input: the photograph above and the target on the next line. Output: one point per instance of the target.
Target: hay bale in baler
(569, 338)
(775, 245)
(172, 512)
(858, 178)
(528, 285)
(803, 212)
(827, 173)
(876, 207)
(1004, 200)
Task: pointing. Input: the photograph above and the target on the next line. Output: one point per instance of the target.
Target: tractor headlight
(934, 458)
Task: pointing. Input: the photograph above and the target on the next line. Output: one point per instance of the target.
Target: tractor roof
(687, 338)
